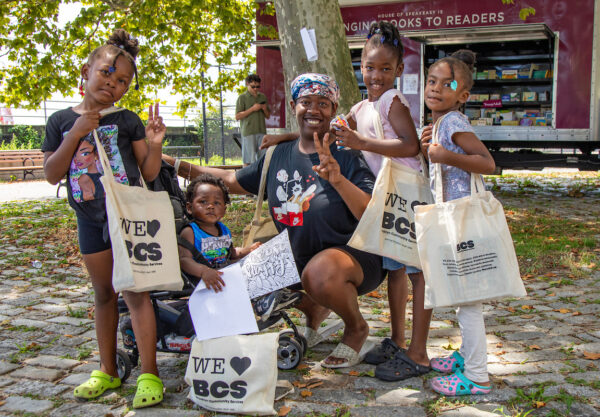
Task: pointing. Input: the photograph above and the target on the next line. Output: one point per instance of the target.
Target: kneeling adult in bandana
(318, 193)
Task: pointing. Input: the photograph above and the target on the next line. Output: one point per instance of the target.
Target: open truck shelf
(536, 98)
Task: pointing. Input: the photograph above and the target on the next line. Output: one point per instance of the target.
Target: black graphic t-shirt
(307, 205)
(117, 131)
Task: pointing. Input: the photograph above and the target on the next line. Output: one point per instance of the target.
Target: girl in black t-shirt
(107, 74)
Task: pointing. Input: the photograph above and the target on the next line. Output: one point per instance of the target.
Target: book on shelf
(532, 68)
(509, 74)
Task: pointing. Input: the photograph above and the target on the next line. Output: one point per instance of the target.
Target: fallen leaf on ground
(534, 347)
(354, 373)
(283, 411)
(499, 345)
(374, 294)
(302, 366)
(538, 404)
(526, 316)
(551, 294)
(410, 298)
(550, 274)
(500, 353)
(299, 384)
(562, 310)
(384, 319)
(314, 384)
(527, 307)
(591, 355)
(305, 393)
(511, 309)
(577, 313)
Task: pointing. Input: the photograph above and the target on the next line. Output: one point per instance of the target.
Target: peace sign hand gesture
(328, 168)
(155, 129)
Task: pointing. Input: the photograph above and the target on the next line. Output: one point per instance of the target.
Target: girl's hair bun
(385, 33)
(123, 40)
(467, 56)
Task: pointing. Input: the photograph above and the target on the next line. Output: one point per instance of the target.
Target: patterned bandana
(312, 84)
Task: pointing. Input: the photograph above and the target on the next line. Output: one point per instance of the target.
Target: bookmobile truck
(535, 102)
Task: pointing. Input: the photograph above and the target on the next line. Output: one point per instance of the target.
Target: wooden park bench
(23, 160)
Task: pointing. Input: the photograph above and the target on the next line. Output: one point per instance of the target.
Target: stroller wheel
(124, 365)
(293, 335)
(289, 353)
(134, 357)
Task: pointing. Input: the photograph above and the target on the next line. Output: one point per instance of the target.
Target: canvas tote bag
(262, 228)
(467, 253)
(234, 374)
(387, 226)
(142, 233)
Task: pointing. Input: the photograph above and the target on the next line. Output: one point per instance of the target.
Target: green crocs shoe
(149, 391)
(96, 385)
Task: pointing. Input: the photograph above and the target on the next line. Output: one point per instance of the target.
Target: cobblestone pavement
(542, 350)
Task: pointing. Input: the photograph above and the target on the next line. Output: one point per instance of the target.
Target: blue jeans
(392, 265)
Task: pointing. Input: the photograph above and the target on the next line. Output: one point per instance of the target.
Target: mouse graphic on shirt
(294, 200)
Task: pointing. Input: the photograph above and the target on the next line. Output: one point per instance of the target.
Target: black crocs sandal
(382, 352)
(400, 367)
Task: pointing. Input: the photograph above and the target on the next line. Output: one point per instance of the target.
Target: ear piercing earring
(81, 88)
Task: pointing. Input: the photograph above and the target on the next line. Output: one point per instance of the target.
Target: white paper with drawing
(225, 313)
(270, 267)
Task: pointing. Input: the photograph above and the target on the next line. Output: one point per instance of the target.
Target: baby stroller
(174, 327)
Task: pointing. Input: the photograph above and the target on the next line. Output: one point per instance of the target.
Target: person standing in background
(252, 110)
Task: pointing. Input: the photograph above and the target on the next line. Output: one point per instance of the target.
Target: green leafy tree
(179, 40)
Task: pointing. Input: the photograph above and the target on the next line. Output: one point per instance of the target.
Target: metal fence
(184, 137)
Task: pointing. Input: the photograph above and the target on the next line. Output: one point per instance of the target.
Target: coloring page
(270, 267)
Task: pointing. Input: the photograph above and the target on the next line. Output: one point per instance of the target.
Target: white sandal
(314, 337)
(343, 351)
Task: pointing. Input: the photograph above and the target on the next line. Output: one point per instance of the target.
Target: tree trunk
(333, 53)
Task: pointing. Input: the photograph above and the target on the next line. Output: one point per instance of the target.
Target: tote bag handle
(263, 183)
(477, 185)
(104, 161)
(380, 135)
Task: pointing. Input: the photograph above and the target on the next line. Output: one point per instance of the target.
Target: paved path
(538, 347)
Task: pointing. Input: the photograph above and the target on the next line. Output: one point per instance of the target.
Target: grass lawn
(547, 237)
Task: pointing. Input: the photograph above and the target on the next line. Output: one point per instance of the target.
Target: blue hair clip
(111, 69)
(395, 42)
(454, 85)
(382, 39)
(369, 35)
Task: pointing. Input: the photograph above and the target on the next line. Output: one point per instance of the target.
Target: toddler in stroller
(205, 246)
